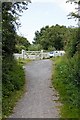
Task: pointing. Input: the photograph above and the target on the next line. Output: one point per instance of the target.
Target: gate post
(23, 53)
(41, 54)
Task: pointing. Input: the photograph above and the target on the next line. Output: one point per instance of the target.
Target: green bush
(13, 80)
(66, 78)
(34, 47)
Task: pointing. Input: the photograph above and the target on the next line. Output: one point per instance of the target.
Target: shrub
(13, 80)
(66, 78)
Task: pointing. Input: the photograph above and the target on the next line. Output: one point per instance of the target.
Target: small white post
(41, 54)
(23, 53)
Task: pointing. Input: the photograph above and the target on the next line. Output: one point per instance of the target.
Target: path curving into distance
(39, 100)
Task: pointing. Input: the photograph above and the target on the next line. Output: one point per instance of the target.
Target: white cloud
(61, 3)
(66, 6)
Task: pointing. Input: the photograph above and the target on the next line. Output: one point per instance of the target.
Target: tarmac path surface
(39, 99)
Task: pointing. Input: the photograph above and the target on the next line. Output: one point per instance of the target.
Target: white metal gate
(32, 55)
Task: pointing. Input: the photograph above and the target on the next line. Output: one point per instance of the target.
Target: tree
(21, 43)
(35, 47)
(10, 15)
(51, 37)
(76, 42)
(8, 30)
(13, 74)
(77, 13)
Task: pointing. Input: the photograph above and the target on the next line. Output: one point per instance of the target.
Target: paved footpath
(39, 100)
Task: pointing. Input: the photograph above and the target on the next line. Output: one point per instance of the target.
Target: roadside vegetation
(14, 80)
(13, 84)
(66, 77)
(23, 62)
(13, 75)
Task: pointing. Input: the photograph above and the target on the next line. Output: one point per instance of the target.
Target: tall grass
(66, 79)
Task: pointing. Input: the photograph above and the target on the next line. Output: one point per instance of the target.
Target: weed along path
(39, 100)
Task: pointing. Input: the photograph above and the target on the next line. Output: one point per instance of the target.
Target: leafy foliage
(71, 44)
(66, 78)
(10, 16)
(21, 43)
(76, 14)
(13, 75)
(51, 37)
(13, 80)
(34, 47)
(8, 30)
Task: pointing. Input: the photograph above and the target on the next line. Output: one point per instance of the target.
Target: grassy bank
(66, 80)
(12, 84)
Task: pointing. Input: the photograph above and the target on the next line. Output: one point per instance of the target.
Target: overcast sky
(45, 12)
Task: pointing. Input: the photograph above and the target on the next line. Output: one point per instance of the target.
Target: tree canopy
(10, 17)
(21, 43)
(53, 37)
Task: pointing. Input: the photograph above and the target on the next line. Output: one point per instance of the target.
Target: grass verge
(65, 79)
(23, 61)
(10, 102)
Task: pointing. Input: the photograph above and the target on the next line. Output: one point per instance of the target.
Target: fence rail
(37, 54)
